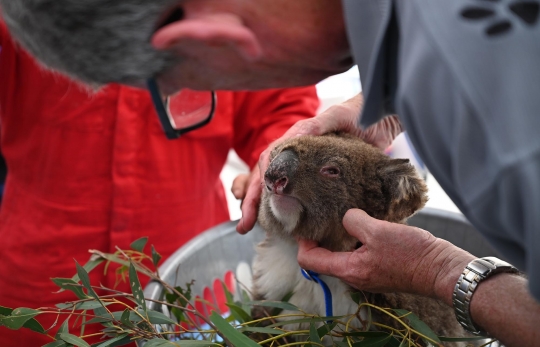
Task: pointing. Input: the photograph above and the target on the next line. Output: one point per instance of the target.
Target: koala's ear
(404, 190)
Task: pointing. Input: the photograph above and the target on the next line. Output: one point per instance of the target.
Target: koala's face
(313, 180)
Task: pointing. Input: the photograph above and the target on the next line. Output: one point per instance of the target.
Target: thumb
(358, 223)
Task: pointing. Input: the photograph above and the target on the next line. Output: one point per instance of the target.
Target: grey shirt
(464, 78)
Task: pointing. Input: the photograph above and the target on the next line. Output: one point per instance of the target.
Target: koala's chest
(277, 273)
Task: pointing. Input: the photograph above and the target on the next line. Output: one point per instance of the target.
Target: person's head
(198, 44)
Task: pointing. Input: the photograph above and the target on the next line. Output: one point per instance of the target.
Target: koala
(311, 182)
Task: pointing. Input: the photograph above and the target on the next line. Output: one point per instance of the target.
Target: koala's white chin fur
(287, 210)
(277, 273)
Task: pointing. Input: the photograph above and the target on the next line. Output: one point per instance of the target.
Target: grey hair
(96, 41)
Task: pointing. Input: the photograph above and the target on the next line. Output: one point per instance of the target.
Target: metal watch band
(475, 272)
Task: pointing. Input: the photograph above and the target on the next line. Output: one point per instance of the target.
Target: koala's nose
(276, 186)
(278, 175)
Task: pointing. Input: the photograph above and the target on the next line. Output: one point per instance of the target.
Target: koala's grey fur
(311, 182)
(96, 41)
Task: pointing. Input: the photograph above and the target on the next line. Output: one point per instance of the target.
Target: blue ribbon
(313, 276)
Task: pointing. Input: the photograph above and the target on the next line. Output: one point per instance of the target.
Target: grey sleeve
(509, 213)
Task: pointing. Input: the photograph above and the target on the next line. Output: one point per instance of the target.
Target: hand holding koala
(342, 117)
(393, 257)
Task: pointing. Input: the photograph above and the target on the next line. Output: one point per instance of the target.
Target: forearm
(503, 306)
(500, 305)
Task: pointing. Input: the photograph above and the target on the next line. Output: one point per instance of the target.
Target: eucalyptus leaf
(262, 330)
(156, 317)
(373, 342)
(74, 340)
(234, 336)
(276, 311)
(124, 319)
(136, 288)
(356, 296)
(304, 320)
(418, 325)
(156, 257)
(19, 317)
(194, 343)
(368, 334)
(239, 314)
(71, 285)
(158, 343)
(326, 329)
(138, 245)
(228, 296)
(31, 324)
(89, 266)
(91, 305)
(56, 344)
(85, 279)
(112, 341)
(64, 329)
(313, 334)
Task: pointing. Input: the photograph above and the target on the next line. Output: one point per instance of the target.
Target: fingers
(240, 185)
(250, 205)
(358, 224)
(383, 133)
(312, 257)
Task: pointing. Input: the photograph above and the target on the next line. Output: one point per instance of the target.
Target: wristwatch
(475, 272)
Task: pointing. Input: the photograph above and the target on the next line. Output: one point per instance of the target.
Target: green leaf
(31, 324)
(418, 325)
(136, 288)
(326, 329)
(313, 334)
(156, 317)
(6, 311)
(124, 319)
(228, 295)
(158, 343)
(373, 342)
(178, 314)
(89, 266)
(156, 257)
(368, 334)
(85, 279)
(278, 304)
(56, 344)
(234, 336)
(239, 314)
(194, 343)
(262, 330)
(74, 340)
(19, 317)
(277, 311)
(138, 245)
(356, 296)
(71, 285)
(304, 320)
(64, 329)
(110, 342)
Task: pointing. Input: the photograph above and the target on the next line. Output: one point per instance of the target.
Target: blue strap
(313, 276)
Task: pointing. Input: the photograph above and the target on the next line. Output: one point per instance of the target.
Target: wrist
(448, 267)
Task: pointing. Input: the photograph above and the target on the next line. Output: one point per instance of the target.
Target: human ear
(210, 30)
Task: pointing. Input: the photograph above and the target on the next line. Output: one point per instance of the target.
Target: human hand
(247, 187)
(342, 117)
(392, 258)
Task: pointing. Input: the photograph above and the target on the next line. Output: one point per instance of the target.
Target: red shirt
(96, 171)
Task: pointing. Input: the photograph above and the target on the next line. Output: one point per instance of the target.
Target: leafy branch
(125, 317)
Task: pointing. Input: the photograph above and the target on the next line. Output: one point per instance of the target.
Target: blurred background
(331, 91)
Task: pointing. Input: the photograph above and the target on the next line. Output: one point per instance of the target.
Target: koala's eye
(330, 171)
